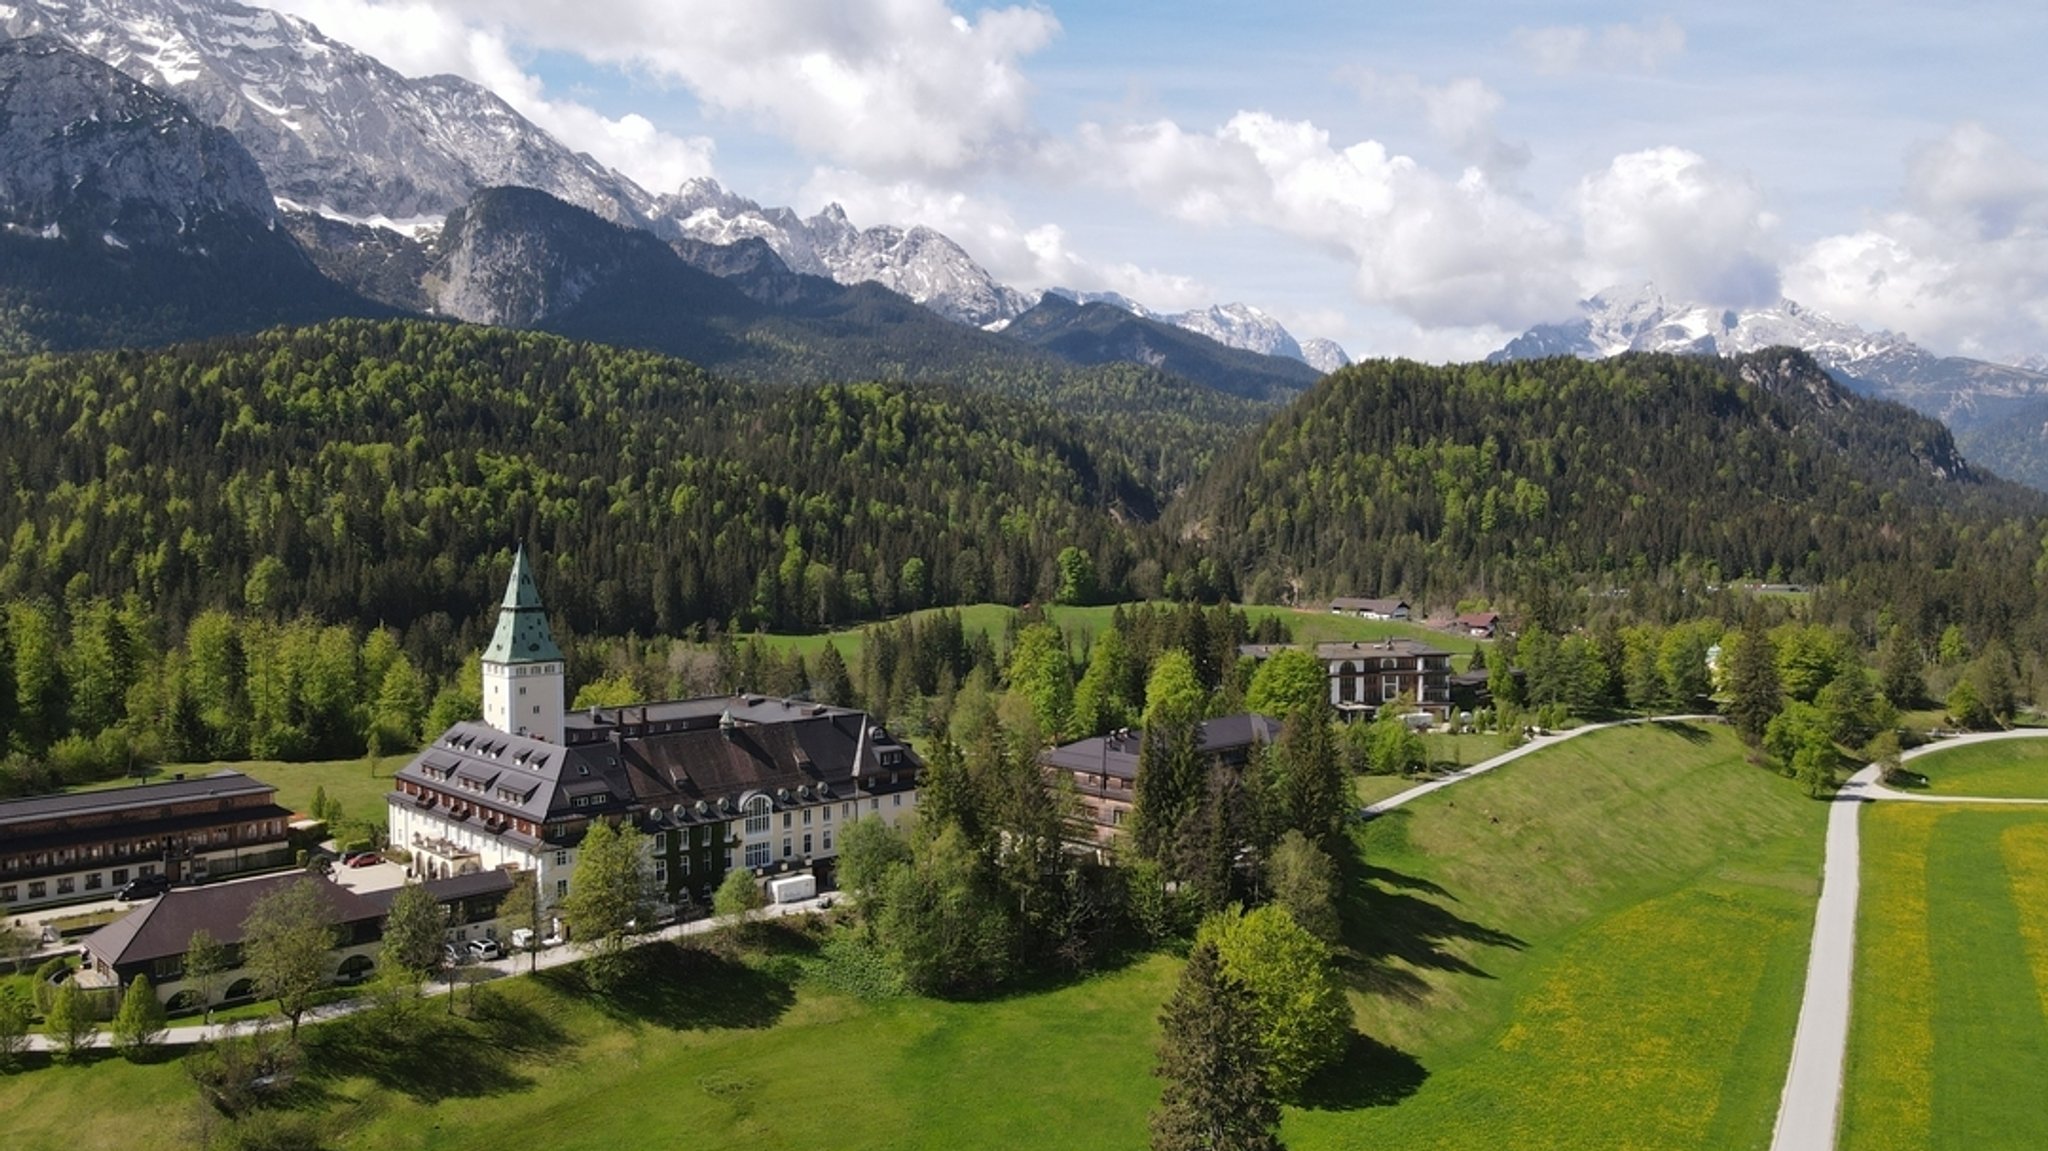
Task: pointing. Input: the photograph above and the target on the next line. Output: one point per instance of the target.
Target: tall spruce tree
(1216, 1096)
(1753, 695)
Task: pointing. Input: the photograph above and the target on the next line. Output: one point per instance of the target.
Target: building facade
(88, 845)
(1104, 770)
(709, 784)
(1368, 674)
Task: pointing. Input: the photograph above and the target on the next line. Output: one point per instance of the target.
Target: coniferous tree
(139, 1024)
(1303, 879)
(70, 1021)
(1901, 676)
(1216, 1096)
(1753, 696)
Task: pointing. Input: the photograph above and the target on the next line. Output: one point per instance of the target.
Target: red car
(363, 859)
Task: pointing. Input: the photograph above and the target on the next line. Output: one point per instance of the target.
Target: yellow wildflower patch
(1889, 1100)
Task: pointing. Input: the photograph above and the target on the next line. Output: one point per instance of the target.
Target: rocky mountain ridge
(1972, 396)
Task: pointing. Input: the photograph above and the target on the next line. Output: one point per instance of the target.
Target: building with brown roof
(1104, 770)
(152, 939)
(87, 845)
(710, 784)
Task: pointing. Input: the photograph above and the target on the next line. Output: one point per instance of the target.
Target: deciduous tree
(286, 943)
(206, 960)
(607, 899)
(1304, 1020)
(413, 932)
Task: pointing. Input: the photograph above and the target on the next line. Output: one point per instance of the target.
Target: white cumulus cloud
(1668, 216)
(1960, 265)
(894, 88)
(1442, 251)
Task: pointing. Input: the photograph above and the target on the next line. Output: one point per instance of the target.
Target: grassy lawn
(359, 787)
(740, 1055)
(1598, 947)
(1948, 1036)
(1307, 626)
(2015, 768)
(1602, 946)
(1373, 788)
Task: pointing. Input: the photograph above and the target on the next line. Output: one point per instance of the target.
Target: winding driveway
(1810, 1109)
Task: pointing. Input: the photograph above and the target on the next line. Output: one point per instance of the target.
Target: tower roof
(522, 635)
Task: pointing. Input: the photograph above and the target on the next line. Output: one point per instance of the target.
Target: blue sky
(1420, 179)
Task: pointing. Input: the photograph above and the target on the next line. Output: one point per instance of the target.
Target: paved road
(1532, 746)
(483, 972)
(1810, 1109)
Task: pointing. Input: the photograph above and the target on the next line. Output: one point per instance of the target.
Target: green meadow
(2006, 768)
(1598, 946)
(1948, 1040)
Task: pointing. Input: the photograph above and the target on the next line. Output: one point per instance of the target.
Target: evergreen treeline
(1536, 481)
(378, 474)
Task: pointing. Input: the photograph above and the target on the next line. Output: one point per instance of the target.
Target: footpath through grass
(2005, 768)
(1948, 1039)
(1601, 946)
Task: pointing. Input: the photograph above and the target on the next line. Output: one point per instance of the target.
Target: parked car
(362, 859)
(453, 956)
(485, 949)
(146, 887)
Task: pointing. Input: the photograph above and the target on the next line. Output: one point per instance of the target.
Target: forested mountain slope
(1439, 481)
(381, 472)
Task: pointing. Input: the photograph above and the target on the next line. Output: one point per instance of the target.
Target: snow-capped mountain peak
(332, 128)
(1232, 325)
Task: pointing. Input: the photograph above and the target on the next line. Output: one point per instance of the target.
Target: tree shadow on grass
(1692, 733)
(432, 1056)
(682, 988)
(1396, 924)
(1371, 1074)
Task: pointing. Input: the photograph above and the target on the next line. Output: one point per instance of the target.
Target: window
(828, 813)
(683, 865)
(9, 893)
(757, 815)
(38, 890)
(66, 885)
(661, 871)
(785, 821)
(875, 804)
(896, 800)
(785, 847)
(807, 817)
(757, 855)
(828, 840)
(561, 859)
(561, 888)
(848, 812)
(807, 843)
(92, 882)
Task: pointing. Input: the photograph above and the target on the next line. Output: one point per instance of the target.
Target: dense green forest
(379, 473)
(1553, 484)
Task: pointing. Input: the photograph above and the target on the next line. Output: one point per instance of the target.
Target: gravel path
(1503, 759)
(1810, 1109)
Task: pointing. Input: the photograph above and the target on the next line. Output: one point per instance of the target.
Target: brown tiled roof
(162, 927)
